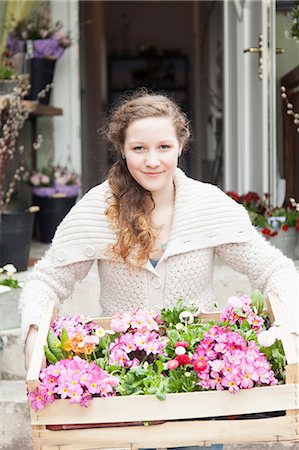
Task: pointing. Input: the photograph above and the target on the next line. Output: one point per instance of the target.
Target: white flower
(4, 289)
(10, 269)
(275, 330)
(187, 374)
(235, 302)
(186, 316)
(266, 338)
(100, 332)
(179, 326)
(180, 350)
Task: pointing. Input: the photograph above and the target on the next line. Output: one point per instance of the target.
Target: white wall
(66, 94)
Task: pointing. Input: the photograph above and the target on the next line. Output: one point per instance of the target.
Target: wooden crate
(185, 418)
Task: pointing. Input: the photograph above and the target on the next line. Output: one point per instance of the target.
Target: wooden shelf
(36, 109)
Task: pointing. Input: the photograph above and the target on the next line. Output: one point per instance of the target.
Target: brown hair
(131, 205)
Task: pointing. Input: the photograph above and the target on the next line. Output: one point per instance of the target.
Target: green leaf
(49, 355)
(240, 312)
(54, 345)
(64, 338)
(257, 301)
(160, 395)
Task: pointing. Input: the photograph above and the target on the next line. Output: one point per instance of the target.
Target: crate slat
(175, 434)
(177, 406)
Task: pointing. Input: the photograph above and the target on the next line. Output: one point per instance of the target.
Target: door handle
(258, 50)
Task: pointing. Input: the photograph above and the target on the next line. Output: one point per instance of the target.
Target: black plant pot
(41, 72)
(15, 238)
(52, 211)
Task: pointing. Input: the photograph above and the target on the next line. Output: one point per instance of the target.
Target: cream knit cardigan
(206, 222)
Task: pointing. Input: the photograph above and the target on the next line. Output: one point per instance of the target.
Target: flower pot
(41, 72)
(15, 238)
(52, 211)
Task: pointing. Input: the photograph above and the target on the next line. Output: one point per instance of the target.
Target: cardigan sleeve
(46, 283)
(268, 270)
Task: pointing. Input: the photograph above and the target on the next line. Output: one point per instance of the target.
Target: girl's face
(151, 149)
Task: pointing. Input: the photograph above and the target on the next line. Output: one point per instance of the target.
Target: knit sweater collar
(203, 217)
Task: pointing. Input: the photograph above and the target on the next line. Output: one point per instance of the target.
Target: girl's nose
(152, 160)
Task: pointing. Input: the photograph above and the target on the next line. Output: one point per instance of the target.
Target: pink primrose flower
(153, 346)
(119, 325)
(216, 365)
(231, 382)
(85, 399)
(127, 342)
(119, 357)
(249, 377)
(38, 399)
(246, 303)
(138, 319)
(216, 381)
(255, 320)
(75, 396)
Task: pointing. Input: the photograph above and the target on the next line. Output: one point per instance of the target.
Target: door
(249, 96)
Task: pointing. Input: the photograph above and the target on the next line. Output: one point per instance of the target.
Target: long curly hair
(130, 207)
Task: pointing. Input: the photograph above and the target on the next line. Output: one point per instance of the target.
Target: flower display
(270, 219)
(74, 379)
(146, 352)
(52, 181)
(37, 36)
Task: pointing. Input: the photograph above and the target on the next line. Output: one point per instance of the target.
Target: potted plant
(41, 43)
(280, 225)
(55, 190)
(15, 223)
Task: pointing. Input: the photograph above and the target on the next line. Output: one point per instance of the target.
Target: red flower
(182, 344)
(183, 360)
(266, 231)
(285, 227)
(200, 365)
(251, 196)
(234, 196)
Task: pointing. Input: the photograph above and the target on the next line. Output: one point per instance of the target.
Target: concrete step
(14, 420)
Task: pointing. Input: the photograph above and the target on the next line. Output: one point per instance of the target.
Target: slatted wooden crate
(200, 418)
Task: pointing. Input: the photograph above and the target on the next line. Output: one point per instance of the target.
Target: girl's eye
(138, 148)
(164, 147)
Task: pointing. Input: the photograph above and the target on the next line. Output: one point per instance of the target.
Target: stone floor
(15, 432)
